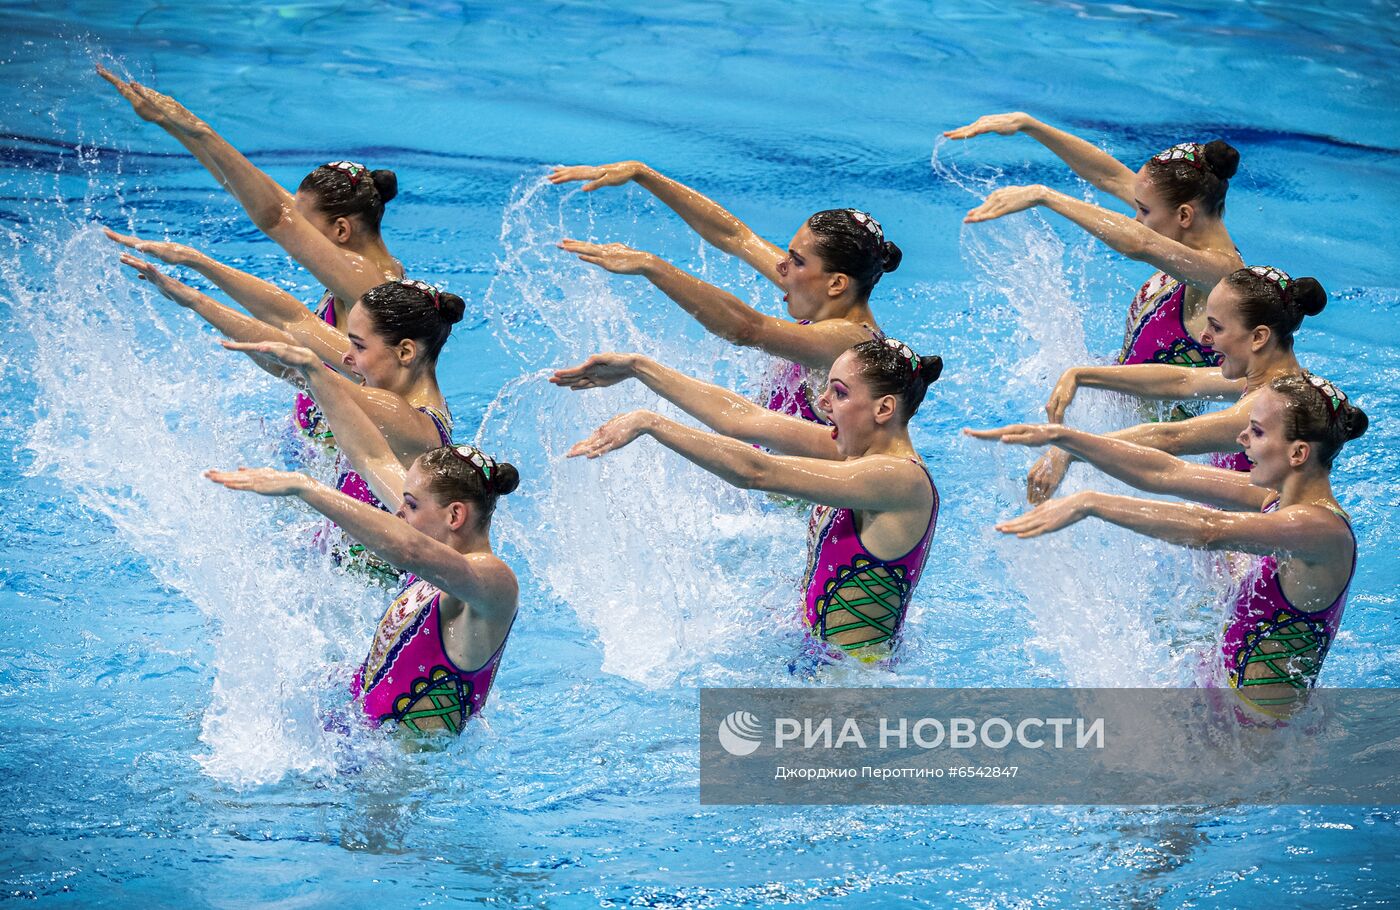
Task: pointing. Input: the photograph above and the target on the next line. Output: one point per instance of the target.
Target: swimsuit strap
(442, 420)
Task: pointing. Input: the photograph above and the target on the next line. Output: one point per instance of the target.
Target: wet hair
(411, 309)
(1268, 297)
(852, 243)
(1317, 412)
(892, 368)
(344, 189)
(453, 476)
(1195, 173)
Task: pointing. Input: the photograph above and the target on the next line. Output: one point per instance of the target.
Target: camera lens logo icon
(739, 733)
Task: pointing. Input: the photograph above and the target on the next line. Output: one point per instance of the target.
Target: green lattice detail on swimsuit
(359, 559)
(856, 593)
(1183, 352)
(1296, 664)
(444, 696)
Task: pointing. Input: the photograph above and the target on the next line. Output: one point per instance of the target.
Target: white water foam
(134, 401)
(1101, 601)
(667, 565)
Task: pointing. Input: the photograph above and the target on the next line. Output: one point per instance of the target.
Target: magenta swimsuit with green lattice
(407, 675)
(1265, 631)
(850, 590)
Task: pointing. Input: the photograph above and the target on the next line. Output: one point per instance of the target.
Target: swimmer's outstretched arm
(380, 424)
(1202, 269)
(1156, 381)
(346, 273)
(264, 300)
(709, 219)
(1214, 432)
(1309, 532)
(481, 579)
(815, 345)
(1148, 469)
(1084, 158)
(226, 320)
(874, 483)
(722, 410)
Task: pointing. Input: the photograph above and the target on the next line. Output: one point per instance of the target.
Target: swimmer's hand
(1062, 395)
(614, 434)
(151, 105)
(294, 356)
(1006, 201)
(166, 252)
(1020, 434)
(1049, 516)
(617, 258)
(598, 175)
(1001, 124)
(597, 372)
(264, 481)
(168, 287)
(1046, 475)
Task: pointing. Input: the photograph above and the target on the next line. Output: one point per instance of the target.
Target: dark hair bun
(1356, 421)
(451, 307)
(930, 368)
(1309, 295)
(1221, 158)
(386, 184)
(893, 256)
(507, 478)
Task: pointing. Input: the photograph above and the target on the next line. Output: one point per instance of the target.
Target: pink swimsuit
(850, 587)
(307, 417)
(1156, 330)
(407, 676)
(795, 388)
(1297, 640)
(354, 486)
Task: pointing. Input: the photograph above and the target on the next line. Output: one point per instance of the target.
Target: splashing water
(134, 404)
(668, 566)
(1099, 619)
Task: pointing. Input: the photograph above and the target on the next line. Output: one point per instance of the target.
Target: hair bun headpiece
(870, 224)
(352, 169)
(432, 293)
(1278, 277)
(1191, 152)
(904, 351)
(482, 463)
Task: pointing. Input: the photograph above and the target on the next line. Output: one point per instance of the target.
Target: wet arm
(1084, 158)
(875, 484)
(1202, 269)
(814, 346)
(1307, 532)
(478, 578)
(719, 227)
(1154, 471)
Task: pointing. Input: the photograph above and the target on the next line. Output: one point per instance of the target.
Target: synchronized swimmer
(831, 425)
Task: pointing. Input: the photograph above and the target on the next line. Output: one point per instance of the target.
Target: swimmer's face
(1264, 441)
(421, 508)
(370, 355)
(848, 403)
(1152, 210)
(1226, 331)
(803, 277)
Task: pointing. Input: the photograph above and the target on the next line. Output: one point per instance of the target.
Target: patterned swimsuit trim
(1301, 637)
(866, 584)
(445, 692)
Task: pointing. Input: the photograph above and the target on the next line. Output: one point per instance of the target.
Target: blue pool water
(167, 650)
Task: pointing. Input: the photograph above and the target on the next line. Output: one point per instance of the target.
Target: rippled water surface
(167, 649)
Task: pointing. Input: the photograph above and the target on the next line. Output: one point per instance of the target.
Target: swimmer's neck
(1265, 367)
(1312, 487)
(1208, 234)
(896, 443)
(380, 259)
(847, 310)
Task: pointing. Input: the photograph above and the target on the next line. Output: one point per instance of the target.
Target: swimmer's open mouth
(834, 432)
